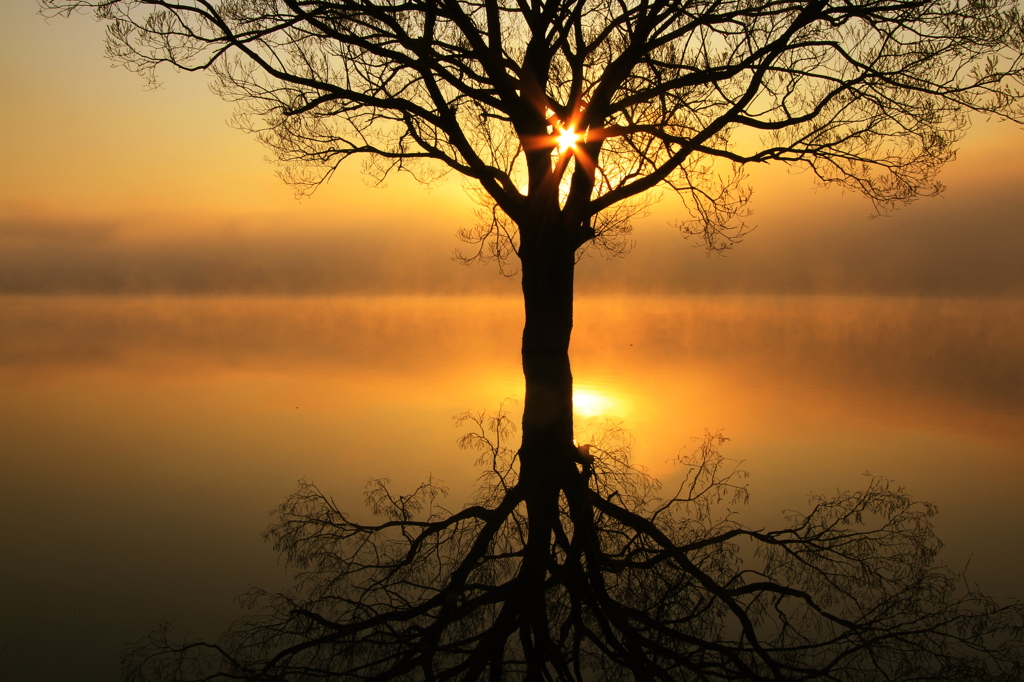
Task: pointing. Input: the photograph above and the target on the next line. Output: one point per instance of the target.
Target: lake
(145, 439)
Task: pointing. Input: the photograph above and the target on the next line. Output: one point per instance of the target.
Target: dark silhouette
(631, 585)
(565, 113)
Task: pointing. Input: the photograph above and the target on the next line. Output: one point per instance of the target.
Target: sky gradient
(111, 188)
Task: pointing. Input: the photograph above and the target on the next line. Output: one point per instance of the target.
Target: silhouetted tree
(868, 94)
(565, 113)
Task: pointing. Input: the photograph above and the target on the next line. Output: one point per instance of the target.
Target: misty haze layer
(939, 248)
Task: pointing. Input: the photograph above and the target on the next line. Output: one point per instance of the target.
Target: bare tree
(565, 114)
(564, 111)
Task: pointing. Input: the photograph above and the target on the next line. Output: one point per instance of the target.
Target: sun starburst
(567, 139)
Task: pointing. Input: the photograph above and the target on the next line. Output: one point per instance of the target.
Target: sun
(567, 139)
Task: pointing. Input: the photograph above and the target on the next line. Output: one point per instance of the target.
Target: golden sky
(111, 187)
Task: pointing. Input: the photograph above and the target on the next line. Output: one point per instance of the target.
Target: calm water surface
(144, 440)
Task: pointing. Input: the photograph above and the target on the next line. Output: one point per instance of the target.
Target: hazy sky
(109, 187)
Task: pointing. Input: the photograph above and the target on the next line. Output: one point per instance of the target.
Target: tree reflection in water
(630, 584)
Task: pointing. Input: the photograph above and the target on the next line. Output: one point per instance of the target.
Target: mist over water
(932, 250)
(145, 438)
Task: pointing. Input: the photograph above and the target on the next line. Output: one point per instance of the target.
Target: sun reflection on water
(589, 402)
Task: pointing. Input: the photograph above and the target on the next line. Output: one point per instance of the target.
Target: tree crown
(573, 107)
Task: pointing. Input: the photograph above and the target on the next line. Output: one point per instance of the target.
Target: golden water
(144, 439)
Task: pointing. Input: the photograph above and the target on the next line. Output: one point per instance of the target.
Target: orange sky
(109, 187)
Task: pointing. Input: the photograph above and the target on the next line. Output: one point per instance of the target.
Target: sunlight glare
(567, 139)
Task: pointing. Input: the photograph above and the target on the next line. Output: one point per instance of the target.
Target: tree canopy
(576, 106)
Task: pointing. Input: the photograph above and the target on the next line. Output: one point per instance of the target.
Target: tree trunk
(547, 454)
(547, 461)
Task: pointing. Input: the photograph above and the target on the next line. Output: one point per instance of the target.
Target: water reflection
(589, 401)
(160, 430)
(616, 580)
